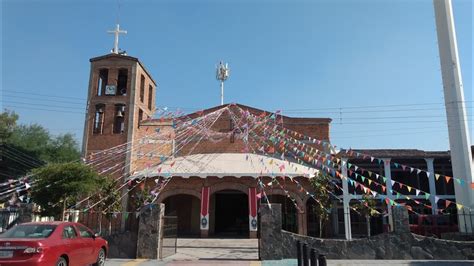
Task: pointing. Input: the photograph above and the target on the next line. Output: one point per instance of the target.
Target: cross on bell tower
(116, 32)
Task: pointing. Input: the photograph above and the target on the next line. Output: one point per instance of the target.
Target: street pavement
(289, 263)
(244, 252)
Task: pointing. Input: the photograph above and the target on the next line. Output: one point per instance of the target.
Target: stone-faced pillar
(270, 232)
(400, 220)
(253, 222)
(204, 223)
(150, 232)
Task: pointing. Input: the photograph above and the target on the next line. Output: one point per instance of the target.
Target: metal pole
(222, 92)
(459, 140)
(298, 253)
(305, 255)
(313, 258)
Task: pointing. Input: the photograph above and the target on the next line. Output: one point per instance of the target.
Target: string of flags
(329, 161)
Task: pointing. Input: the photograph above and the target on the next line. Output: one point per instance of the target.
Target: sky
(370, 65)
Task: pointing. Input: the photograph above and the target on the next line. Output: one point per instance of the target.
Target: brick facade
(145, 145)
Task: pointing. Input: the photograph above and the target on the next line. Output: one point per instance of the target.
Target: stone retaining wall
(122, 245)
(384, 246)
(400, 244)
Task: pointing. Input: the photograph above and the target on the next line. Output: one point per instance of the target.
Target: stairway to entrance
(193, 249)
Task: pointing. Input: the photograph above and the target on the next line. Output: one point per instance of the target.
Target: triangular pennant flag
(427, 196)
(447, 203)
(437, 176)
(417, 192)
(459, 206)
(447, 178)
(418, 171)
(409, 188)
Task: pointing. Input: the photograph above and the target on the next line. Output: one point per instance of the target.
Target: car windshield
(29, 231)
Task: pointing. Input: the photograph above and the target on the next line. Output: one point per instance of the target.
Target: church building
(213, 167)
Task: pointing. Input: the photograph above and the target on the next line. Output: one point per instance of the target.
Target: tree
(321, 185)
(367, 208)
(7, 124)
(38, 143)
(25, 147)
(109, 197)
(59, 185)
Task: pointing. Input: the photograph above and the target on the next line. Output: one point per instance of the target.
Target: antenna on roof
(222, 73)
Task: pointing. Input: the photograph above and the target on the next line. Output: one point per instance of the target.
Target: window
(30, 231)
(99, 119)
(150, 96)
(119, 120)
(140, 115)
(122, 82)
(84, 232)
(102, 81)
(69, 232)
(142, 89)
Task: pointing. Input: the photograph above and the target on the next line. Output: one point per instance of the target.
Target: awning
(226, 164)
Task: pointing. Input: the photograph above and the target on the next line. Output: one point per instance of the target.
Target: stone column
(346, 200)
(400, 220)
(253, 222)
(270, 232)
(150, 232)
(301, 218)
(431, 179)
(204, 222)
(388, 174)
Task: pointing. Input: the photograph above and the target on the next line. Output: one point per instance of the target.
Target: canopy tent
(226, 164)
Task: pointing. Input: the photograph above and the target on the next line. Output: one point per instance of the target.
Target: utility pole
(459, 142)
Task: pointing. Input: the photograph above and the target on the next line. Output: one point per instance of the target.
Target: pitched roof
(256, 111)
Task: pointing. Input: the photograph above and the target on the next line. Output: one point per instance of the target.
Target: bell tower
(121, 93)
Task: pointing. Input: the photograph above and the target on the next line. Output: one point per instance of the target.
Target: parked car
(432, 225)
(52, 243)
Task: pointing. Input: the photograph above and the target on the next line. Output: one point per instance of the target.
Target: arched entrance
(231, 213)
(289, 214)
(186, 208)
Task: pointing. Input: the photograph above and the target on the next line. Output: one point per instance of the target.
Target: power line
(43, 109)
(47, 100)
(40, 94)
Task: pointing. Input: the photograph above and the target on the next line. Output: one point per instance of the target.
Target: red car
(52, 243)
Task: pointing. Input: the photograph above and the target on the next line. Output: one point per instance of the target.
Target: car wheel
(100, 258)
(61, 262)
